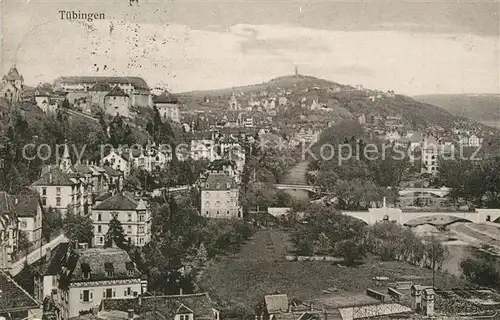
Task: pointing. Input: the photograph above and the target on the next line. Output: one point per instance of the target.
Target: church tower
(65, 162)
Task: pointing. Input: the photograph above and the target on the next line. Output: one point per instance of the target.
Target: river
(298, 175)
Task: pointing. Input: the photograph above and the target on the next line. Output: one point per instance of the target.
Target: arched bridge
(297, 187)
(440, 192)
(375, 215)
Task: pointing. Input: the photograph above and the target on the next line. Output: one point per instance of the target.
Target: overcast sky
(412, 48)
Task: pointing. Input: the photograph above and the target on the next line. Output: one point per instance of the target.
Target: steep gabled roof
(56, 177)
(28, 203)
(120, 201)
(13, 298)
(13, 75)
(164, 307)
(116, 92)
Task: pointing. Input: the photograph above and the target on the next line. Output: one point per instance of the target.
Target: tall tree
(116, 235)
(78, 228)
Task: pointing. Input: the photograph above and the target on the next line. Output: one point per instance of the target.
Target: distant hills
(484, 108)
(346, 101)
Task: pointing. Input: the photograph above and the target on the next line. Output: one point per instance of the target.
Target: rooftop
(165, 98)
(137, 82)
(121, 201)
(164, 307)
(13, 75)
(116, 92)
(55, 177)
(219, 182)
(28, 203)
(13, 298)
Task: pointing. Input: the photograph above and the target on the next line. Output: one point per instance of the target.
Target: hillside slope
(343, 99)
(484, 108)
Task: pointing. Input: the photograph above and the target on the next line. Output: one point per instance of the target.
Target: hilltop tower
(296, 71)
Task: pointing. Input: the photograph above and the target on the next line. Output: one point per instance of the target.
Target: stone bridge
(394, 214)
(440, 192)
(297, 187)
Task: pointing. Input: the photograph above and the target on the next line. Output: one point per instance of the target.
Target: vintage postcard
(249, 159)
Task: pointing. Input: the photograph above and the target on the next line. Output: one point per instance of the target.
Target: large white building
(135, 87)
(168, 107)
(220, 197)
(134, 215)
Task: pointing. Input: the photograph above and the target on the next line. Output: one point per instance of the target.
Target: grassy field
(239, 281)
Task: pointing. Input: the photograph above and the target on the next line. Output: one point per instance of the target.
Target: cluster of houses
(427, 145)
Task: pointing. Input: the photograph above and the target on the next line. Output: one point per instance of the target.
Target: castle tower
(12, 85)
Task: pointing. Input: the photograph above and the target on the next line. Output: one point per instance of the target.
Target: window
(206, 213)
(227, 211)
(85, 270)
(184, 316)
(44, 191)
(129, 217)
(217, 211)
(99, 229)
(24, 224)
(58, 201)
(141, 217)
(99, 217)
(44, 201)
(141, 229)
(129, 229)
(108, 293)
(109, 268)
(86, 296)
(58, 191)
(128, 291)
(100, 240)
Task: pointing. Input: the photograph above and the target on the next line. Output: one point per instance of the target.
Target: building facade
(134, 215)
(12, 86)
(117, 102)
(78, 279)
(168, 107)
(220, 197)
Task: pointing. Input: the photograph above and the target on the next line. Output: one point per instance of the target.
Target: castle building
(12, 86)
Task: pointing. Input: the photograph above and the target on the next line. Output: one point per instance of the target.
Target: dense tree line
(475, 182)
(182, 243)
(325, 231)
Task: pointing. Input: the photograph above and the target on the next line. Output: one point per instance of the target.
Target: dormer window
(110, 270)
(184, 316)
(85, 271)
(130, 268)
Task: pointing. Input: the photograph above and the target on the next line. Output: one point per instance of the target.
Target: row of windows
(141, 217)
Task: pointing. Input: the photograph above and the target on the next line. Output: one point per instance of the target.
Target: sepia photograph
(249, 160)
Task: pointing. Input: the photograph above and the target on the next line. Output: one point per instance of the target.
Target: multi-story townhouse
(60, 190)
(9, 232)
(134, 215)
(78, 278)
(430, 153)
(219, 197)
(29, 212)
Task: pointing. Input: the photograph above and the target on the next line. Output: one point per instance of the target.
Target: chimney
(130, 313)
(50, 177)
(385, 203)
